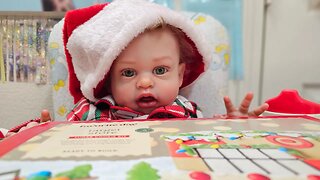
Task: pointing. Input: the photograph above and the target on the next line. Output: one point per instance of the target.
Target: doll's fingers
(228, 104)
(245, 104)
(258, 111)
(45, 116)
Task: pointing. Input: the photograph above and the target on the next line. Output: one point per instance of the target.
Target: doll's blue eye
(160, 70)
(128, 73)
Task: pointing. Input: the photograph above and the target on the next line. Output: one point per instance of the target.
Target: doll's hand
(243, 110)
(45, 117)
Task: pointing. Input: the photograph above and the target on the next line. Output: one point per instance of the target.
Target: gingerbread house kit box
(274, 148)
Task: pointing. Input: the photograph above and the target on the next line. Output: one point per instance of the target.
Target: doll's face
(147, 74)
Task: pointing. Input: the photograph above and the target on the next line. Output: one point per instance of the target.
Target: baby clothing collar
(106, 109)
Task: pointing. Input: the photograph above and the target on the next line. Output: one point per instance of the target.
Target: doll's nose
(145, 81)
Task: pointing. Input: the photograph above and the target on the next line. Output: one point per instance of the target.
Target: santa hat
(95, 36)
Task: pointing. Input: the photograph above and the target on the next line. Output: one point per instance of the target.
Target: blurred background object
(57, 5)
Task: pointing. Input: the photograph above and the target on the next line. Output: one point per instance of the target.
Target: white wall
(292, 51)
(253, 24)
(20, 102)
(281, 49)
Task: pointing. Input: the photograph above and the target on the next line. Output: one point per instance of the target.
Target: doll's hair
(185, 48)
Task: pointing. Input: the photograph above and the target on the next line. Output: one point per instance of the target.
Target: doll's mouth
(147, 102)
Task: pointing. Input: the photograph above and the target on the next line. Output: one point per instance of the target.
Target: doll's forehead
(147, 39)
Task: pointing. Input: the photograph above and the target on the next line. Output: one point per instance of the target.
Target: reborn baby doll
(129, 59)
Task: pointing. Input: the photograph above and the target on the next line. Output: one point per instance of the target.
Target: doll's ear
(182, 67)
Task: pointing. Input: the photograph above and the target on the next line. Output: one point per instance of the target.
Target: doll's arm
(45, 117)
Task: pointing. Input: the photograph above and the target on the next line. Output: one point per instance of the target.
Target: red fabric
(194, 68)
(102, 89)
(79, 110)
(72, 20)
(1, 135)
(173, 111)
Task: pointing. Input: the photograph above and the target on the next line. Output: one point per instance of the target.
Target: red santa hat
(95, 36)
